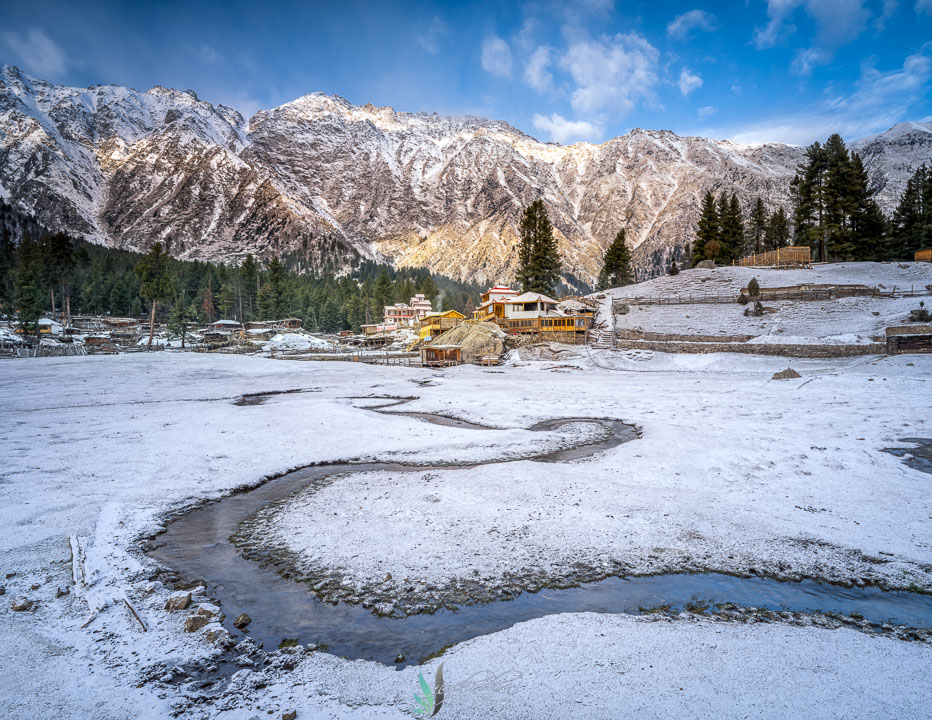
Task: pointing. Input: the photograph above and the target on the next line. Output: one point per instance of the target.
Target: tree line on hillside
(54, 273)
(833, 211)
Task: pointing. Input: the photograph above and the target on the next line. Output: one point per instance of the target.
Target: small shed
(924, 255)
(909, 339)
(441, 355)
(224, 326)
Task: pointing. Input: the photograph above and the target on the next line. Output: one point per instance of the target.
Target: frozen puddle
(918, 458)
(197, 546)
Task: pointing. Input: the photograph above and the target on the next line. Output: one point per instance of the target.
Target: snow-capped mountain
(322, 180)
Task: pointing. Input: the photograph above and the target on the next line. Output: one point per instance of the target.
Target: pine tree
(616, 266)
(249, 279)
(428, 288)
(59, 263)
(384, 291)
(866, 222)
(837, 199)
(277, 285)
(809, 200)
(758, 225)
(181, 316)
(777, 234)
(404, 291)
(736, 229)
(155, 282)
(708, 229)
(355, 313)
(833, 208)
(7, 266)
(331, 318)
(538, 258)
(29, 286)
(909, 229)
(731, 229)
(208, 307)
(674, 270)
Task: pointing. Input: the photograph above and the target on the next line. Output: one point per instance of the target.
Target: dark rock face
(322, 182)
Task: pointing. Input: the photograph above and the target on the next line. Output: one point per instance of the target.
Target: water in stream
(197, 546)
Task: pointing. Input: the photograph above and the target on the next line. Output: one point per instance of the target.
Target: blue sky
(785, 70)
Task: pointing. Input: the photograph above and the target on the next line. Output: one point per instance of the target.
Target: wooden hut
(924, 255)
(909, 339)
(441, 355)
(435, 324)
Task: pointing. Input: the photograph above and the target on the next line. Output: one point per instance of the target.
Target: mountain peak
(320, 175)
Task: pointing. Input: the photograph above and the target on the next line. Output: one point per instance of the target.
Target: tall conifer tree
(538, 258)
(616, 267)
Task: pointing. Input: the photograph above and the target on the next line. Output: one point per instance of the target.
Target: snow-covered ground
(785, 474)
(728, 280)
(842, 321)
(297, 341)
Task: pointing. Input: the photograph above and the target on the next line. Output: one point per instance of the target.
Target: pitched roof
(530, 297)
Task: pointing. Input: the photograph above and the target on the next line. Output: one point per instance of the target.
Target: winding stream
(197, 546)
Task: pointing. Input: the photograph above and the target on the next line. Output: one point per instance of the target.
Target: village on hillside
(776, 303)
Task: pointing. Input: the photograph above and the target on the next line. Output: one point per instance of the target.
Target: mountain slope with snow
(323, 181)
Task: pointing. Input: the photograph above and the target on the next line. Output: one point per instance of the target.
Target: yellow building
(433, 324)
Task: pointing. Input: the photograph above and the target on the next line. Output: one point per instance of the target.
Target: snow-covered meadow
(733, 470)
(841, 321)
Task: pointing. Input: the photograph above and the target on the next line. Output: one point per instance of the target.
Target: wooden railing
(793, 256)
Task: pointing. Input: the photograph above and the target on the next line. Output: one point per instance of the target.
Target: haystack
(475, 340)
(788, 374)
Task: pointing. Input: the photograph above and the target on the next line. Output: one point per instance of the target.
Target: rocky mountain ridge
(323, 181)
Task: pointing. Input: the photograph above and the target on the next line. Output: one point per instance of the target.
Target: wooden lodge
(924, 255)
(441, 355)
(493, 302)
(787, 257)
(435, 324)
(46, 325)
(533, 313)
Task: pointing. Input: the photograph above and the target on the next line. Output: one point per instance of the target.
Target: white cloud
(536, 73)
(496, 56)
(689, 82)
(682, 26)
(776, 31)
(564, 131)
(208, 54)
(707, 111)
(612, 73)
(888, 11)
(879, 101)
(838, 21)
(806, 59)
(924, 6)
(429, 40)
(38, 53)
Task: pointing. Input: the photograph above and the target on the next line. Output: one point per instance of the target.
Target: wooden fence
(802, 293)
(793, 256)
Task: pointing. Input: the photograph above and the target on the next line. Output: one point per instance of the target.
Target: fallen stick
(135, 614)
(90, 619)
